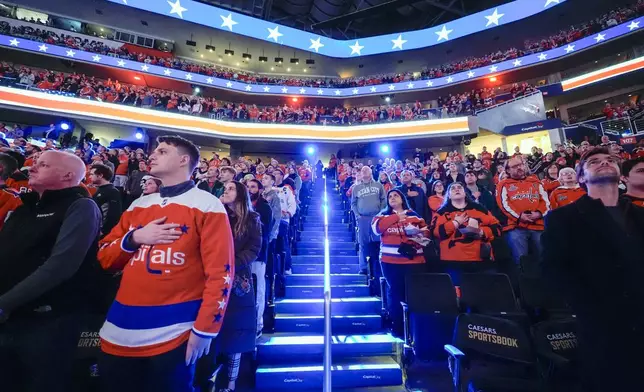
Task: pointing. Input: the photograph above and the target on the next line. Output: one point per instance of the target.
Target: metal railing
(616, 127)
(326, 383)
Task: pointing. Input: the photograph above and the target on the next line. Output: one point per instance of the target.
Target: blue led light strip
(218, 18)
(607, 35)
(326, 381)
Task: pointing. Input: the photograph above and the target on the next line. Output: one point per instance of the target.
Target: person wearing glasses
(593, 257)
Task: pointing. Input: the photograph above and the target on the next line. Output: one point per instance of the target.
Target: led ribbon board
(218, 18)
(149, 118)
(603, 74)
(495, 69)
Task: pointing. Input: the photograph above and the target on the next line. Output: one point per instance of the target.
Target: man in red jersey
(176, 251)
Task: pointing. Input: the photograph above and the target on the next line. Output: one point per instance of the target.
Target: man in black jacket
(259, 266)
(48, 273)
(107, 197)
(415, 195)
(593, 253)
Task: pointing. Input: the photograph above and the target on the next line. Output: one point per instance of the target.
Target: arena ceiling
(349, 19)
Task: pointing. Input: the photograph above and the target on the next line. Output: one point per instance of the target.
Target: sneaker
(364, 272)
(288, 272)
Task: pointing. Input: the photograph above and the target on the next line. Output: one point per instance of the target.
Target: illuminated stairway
(362, 355)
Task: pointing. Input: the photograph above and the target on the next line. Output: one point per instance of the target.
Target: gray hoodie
(274, 202)
(368, 198)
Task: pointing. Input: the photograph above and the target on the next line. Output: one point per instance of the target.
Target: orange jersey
(392, 233)
(515, 197)
(19, 182)
(121, 169)
(563, 196)
(168, 290)
(456, 246)
(9, 201)
(435, 202)
(550, 185)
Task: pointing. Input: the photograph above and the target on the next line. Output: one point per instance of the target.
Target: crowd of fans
(564, 37)
(114, 91)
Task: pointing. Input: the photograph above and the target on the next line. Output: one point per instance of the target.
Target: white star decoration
(548, 2)
(222, 304)
(248, 87)
(121, 63)
(542, 56)
(392, 87)
(71, 53)
(284, 90)
(450, 79)
(600, 37)
(398, 42)
(188, 76)
(569, 48)
(429, 83)
(337, 92)
(14, 42)
(356, 48)
(316, 44)
(145, 68)
(274, 33)
(229, 84)
(470, 74)
(493, 68)
(320, 91)
(302, 91)
(176, 8)
(410, 85)
(355, 91)
(96, 58)
(228, 21)
(494, 18)
(267, 89)
(634, 25)
(43, 48)
(227, 279)
(517, 62)
(443, 34)
(373, 89)
(209, 80)
(167, 72)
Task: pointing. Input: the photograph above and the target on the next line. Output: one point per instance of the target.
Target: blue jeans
(519, 241)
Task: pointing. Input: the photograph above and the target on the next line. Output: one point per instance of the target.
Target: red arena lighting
(294, 99)
(493, 79)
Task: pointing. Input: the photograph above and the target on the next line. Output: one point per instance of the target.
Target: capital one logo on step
(303, 325)
(371, 377)
(289, 380)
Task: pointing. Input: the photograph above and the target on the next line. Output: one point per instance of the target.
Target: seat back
(487, 294)
(538, 298)
(558, 337)
(432, 312)
(431, 293)
(492, 337)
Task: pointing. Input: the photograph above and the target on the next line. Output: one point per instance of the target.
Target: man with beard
(593, 255)
(258, 267)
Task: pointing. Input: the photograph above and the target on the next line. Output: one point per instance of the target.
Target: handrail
(537, 91)
(326, 384)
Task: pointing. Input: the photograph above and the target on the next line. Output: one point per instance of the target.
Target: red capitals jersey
(515, 197)
(168, 290)
(563, 196)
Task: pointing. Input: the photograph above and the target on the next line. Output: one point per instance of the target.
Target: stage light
(294, 99)
(137, 78)
(493, 79)
(384, 149)
(197, 90)
(138, 135)
(387, 99)
(310, 150)
(64, 126)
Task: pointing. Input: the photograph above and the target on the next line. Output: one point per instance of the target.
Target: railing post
(326, 383)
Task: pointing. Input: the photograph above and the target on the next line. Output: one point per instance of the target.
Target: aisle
(363, 356)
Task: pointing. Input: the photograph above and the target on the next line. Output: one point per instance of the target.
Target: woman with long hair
(437, 194)
(385, 181)
(403, 235)
(550, 180)
(464, 230)
(393, 177)
(238, 331)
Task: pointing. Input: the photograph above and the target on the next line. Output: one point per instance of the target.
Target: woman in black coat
(237, 334)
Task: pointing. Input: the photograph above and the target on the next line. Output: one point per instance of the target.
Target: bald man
(48, 274)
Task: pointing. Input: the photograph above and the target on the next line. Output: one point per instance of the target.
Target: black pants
(37, 353)
(161, 373)
(283, 244)
(395, 275)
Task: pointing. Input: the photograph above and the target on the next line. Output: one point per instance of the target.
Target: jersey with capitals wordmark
(168, 290)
